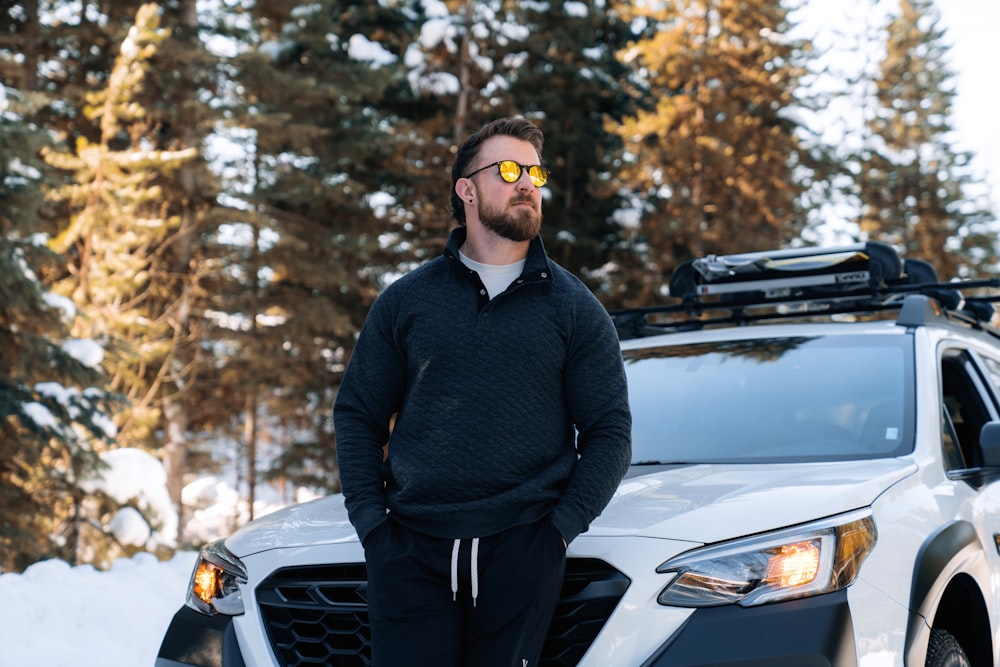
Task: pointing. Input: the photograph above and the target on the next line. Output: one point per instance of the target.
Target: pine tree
(53, 412)
(180, 78)
(915, 188)
(456, 82)
(565, 73)
(179, 95)
(305, 255)
(120, 235)
(555, 64)
(717, 163)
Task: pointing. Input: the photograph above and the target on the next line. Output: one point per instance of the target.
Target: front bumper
(812, 632)
(193, 639)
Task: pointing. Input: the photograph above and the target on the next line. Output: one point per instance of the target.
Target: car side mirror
(989, 443)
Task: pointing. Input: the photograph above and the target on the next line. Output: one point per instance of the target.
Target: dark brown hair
(519, 128)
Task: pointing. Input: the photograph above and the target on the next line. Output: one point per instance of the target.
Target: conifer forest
(199, 201)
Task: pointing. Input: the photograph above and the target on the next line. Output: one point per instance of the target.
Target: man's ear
(464, 189)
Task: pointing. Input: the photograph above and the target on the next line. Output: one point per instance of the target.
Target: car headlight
(214, 587)
(798, 562)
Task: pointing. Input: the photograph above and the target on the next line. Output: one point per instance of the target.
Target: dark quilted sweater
(506, 410)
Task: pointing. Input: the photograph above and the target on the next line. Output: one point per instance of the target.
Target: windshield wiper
(661, 463)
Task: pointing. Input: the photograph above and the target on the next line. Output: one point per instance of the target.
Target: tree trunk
(29, 46)
(174, 412)
(250, 433)
(174, 454)
(462, 104)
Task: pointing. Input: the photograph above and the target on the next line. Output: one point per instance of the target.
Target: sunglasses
(510, 172)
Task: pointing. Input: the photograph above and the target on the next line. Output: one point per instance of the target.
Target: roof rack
(858, 278)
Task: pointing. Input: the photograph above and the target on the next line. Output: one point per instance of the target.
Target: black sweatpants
(472, 603)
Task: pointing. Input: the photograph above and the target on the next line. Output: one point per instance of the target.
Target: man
(511, 432)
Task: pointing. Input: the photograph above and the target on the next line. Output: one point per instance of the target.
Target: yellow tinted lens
(539, 175)
(510, 171)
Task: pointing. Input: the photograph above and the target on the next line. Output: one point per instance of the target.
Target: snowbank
(54, 615)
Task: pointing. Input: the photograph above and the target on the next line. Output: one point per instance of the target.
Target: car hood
(321, 521)
(694, 503)
(709, 503)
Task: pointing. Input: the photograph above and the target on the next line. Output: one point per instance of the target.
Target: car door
(970, 387)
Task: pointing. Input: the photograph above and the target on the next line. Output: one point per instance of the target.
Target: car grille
(319, 615)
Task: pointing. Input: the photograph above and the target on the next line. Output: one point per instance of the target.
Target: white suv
(816, 454)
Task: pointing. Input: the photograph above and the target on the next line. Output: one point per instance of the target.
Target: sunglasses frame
(521, 168)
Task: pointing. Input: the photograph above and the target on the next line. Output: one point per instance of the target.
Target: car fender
(955, 549)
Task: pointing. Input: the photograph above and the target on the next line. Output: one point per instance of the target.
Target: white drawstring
(473, 569)
(454, 570)
(474, 566)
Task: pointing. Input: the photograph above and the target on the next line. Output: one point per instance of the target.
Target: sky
(836, 29)
(972, 28)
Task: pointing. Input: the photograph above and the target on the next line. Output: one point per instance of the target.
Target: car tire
(943, 650)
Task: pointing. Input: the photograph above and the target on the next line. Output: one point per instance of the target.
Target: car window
(952, 453)
(964, 398)
(776, 399)
(992, 367)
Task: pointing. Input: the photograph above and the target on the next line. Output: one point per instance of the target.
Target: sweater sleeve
(597, 397)
(368, 396)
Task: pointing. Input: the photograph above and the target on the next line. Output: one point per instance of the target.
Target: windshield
(797, 399)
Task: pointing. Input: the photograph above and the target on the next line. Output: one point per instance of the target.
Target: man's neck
(486, 247)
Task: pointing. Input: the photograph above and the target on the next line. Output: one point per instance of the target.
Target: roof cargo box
(793, 272)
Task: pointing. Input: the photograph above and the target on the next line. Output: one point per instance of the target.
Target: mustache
(522, 198)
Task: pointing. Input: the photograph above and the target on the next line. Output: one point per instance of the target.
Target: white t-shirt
(496, 277)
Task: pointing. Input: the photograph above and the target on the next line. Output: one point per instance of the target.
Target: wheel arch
(948, 578)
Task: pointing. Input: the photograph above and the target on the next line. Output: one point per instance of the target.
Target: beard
(519, 224)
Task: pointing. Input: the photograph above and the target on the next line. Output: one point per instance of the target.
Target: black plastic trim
(811, 632)
(928, 584)
(934, 558)
(201, 641)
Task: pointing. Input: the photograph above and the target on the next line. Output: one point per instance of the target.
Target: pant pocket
(376, 535)
(555, 531)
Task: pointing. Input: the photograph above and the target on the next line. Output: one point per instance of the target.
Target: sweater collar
(536, 266)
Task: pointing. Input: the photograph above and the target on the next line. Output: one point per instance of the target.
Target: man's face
(510, 210)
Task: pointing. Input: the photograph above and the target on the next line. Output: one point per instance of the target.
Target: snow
(55, 615)
(41, 415)
(61, 303)
(72, 399)
(135, 475)
(130, 527)
(362, 48)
